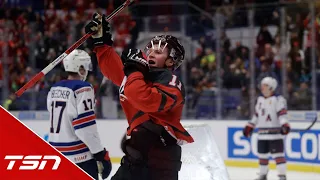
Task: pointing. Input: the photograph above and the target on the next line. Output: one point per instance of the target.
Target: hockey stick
(100, 169)
(54, 63)
(299, 130)
(309, 127)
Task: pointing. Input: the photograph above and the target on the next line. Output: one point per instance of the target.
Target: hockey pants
(149, 156)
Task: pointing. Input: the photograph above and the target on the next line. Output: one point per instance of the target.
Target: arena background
(230, 46)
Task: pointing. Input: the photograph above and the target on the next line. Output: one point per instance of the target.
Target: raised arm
(101, 41)
(110, 64)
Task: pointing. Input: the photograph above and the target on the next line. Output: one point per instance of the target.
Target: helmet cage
(175, 49)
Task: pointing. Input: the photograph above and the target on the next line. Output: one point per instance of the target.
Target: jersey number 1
(173, 82)
(56, 104)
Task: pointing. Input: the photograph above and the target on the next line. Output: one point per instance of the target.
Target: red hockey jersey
(160, 98)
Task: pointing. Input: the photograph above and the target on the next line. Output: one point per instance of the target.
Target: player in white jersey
(73, 130)
(271, 120)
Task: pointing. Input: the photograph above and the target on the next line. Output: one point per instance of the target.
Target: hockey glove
(133, 60)
(101, 29)
(285, 129)
(247, 131)
(104, 163)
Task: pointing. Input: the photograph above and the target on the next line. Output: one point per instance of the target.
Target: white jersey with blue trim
(73, 129)
(270, 115)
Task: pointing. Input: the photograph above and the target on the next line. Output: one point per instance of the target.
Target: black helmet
(176, 50)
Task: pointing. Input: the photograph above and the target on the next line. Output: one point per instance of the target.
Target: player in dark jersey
(152, 98)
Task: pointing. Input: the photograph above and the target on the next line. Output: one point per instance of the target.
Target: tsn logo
(32, 162)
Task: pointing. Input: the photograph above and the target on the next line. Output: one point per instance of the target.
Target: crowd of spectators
(235, 58)
(34, 36)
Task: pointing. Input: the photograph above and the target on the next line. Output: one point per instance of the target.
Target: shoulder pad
(276, 95)
(162, 76)
(167, 78)
(72, 84)
(279, 97)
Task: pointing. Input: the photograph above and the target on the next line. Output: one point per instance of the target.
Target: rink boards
(302, 148)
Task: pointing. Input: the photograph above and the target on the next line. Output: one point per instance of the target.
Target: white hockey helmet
(271, 82)
(75, 60)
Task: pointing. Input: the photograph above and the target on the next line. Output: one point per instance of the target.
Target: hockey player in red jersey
(152, 98)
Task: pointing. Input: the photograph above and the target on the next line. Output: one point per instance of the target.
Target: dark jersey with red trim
(158, 97)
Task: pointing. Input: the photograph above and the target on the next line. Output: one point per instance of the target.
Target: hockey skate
(282, 177)
(262, 177)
